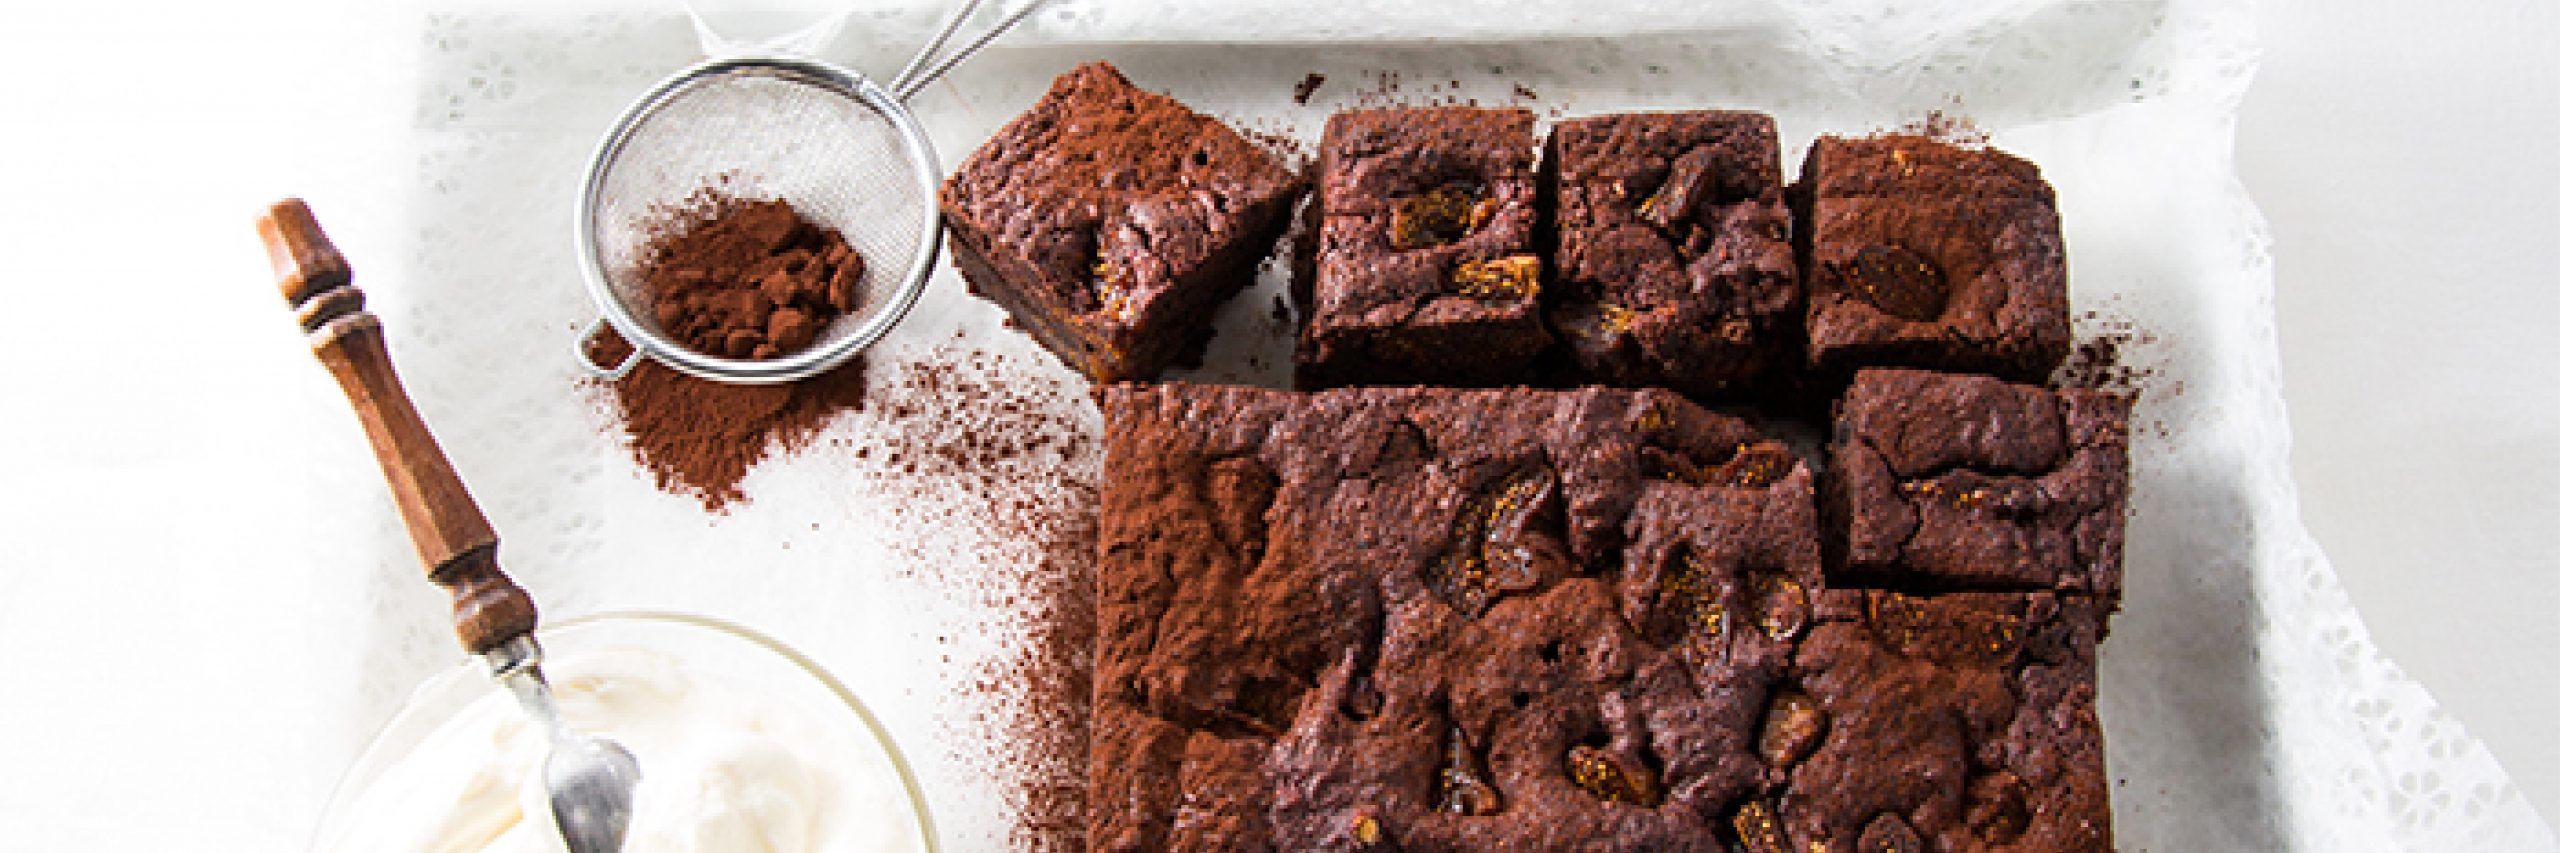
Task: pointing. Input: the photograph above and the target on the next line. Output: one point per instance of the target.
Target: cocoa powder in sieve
(747, 278)
(740, 278)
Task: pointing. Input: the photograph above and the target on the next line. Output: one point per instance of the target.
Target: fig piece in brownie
(1929, 254)
(1110, 222)
(1439, 619)
(1954, 722)
(1420, 268)
(1673, 263)
(1952, 481)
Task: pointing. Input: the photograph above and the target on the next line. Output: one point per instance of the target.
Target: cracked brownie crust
(1110, 222)
(1419, 266)
(1673, 262)
(1435, 619)
(1957, 722)
(1946, 481)
(1921, 253)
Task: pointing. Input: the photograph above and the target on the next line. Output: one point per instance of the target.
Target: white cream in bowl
(725, 766)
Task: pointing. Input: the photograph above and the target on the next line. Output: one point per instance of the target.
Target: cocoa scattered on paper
(700, 437)
(975, 442)
(2098, 356)
(1951, 129)
(1282, 143)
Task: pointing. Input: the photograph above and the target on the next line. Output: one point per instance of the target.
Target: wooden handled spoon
(590, 778)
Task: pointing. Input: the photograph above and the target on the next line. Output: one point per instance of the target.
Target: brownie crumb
(2098, 359)
(1523, 92)
(1306, 87)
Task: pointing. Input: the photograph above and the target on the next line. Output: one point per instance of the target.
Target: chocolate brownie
(1948, 481)
(1110, 222)
(1923, 253)
(1673, 265)
(1956, 722)
(1439, 619)
(1420, 267)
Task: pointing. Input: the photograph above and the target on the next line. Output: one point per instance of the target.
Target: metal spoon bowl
(590, 778)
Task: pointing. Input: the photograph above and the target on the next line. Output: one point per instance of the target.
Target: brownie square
(1421, 268)
(1955, 722)
(1948, 481)
(1439, 619)
(1928, 254)
(1673, 263)
(1110, 222)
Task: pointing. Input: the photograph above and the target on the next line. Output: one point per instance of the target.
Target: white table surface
(2402, 150)
(2403, 154)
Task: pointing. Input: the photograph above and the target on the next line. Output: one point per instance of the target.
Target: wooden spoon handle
(454, 540)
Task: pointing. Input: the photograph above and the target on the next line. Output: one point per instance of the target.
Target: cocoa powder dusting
(700, 437)
(976, 443)
(1282, 142)
(1950, 129)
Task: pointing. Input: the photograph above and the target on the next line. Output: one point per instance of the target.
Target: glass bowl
(620, 660)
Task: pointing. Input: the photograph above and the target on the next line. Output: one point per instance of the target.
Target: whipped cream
(724, 767)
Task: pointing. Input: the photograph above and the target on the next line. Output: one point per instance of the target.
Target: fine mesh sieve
(841, 149)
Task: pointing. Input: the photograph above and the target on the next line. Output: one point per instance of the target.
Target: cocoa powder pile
(746, 278)
(743, 279)
(699, 437)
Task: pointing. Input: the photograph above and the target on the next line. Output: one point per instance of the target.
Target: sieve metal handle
(583, 349)
(941, 35)
(909, 80)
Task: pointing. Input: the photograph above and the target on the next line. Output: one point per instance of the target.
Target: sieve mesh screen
(758, 130)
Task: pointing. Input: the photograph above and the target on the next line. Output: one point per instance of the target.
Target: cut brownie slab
(1439, 619)
(1928, 254)
(1947, 481)
(1420, 268)
(1110, 222)
(1673, 264)
(1956, 722)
